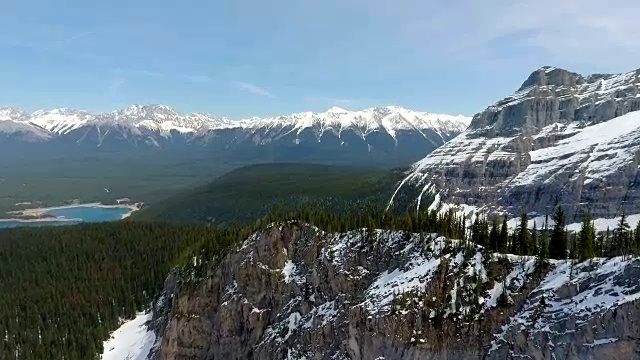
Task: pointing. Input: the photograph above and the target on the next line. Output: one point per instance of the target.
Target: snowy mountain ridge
(165, 119)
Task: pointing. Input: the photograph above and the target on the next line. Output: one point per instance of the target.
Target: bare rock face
(292, 291)
(562, 138)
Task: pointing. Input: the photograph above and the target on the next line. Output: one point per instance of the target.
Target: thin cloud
(252, 89)
(329, 101)
(573, 31)
(48, 49)
(197, 79)
(137, 73)
(70, 39)
(115, 86)
(325, 102)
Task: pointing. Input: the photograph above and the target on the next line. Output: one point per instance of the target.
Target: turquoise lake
(81, 213)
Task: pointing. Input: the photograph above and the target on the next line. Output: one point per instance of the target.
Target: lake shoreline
(40, 214)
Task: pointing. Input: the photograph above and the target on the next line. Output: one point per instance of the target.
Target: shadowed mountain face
(561, 139)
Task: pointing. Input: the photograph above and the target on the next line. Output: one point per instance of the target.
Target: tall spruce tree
(494, 234)
(504, 236)
(535, 241)
(521, 240)
(636, 240)
(543, 247)
(621, 236)
(586, 238)
(558, 241)
(475, 231)
(484, 233)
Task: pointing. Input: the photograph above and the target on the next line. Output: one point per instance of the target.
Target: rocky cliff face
(562, 138)
(292, 291)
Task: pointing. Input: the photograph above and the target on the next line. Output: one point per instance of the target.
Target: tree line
(555, 241)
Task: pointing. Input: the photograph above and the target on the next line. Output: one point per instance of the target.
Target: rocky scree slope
(562, 138)
(292, 291)
(389, 131)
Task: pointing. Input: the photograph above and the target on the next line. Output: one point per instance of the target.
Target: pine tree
(504, 236)
(542, 255)
(494, 235)
(520, 244)
(636, 240)
(621, 236)
(475, 231)
(558, 241)
(600, 245)
(483, 240)
(525, 237)
(586, 238)
(535, 241)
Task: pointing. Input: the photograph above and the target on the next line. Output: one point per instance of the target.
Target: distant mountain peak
(164, 119)
(337, 110)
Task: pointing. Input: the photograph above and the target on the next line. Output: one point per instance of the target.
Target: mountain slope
(562, 138)
(248, 193)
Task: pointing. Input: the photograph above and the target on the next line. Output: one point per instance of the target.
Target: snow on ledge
(132, 341)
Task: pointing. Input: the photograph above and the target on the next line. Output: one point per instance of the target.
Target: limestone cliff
(292, 291)
(561, 139)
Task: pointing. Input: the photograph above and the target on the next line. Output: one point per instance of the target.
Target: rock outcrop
(292, 291)
(561, 139)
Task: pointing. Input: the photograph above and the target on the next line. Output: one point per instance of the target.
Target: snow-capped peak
(59, 121)
(337, 110)
(164, 119)
(9, 113)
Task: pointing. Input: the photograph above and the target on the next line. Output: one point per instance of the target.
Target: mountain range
(386, 134)
(561, 139)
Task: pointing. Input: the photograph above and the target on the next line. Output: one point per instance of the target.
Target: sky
(245, 58)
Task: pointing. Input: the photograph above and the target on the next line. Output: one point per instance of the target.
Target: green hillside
(251, 192)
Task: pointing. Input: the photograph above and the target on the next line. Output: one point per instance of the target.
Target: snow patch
(132, 341)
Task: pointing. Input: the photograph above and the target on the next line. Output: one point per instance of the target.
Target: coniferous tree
(621, 236)
(586, 238)
(600, 245)
(504, 236)
(475, 231)
(494, 235)
(558, 241)
(520, 244)
(636, 240)
(542, 255)
(535, 241)
(484, 233)
(525, 236)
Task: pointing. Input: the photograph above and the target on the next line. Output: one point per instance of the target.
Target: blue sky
(242, 58)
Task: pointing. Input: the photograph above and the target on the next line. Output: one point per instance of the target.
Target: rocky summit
(292, 291)
(560, 139)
